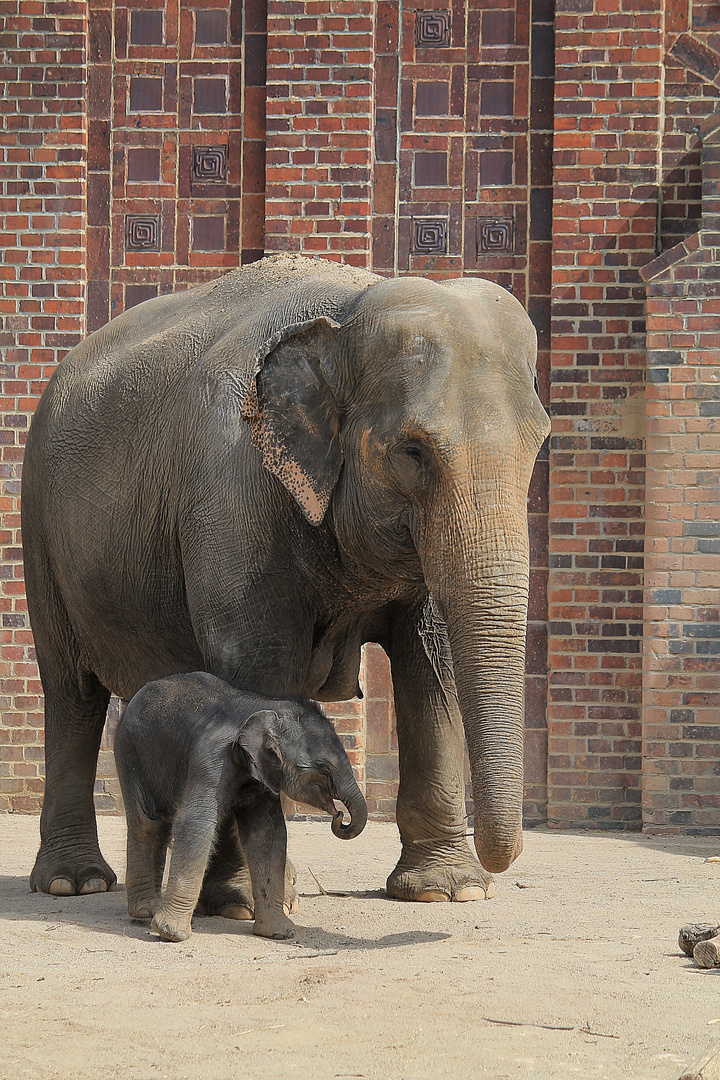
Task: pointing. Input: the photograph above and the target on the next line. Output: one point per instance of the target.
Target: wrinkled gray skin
(204, 764)
(255, 477)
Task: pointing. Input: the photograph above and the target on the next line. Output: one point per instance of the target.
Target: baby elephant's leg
(264, 839)
(146, 850)
(193, 833)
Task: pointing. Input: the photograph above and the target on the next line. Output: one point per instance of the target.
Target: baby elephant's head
(293, 748)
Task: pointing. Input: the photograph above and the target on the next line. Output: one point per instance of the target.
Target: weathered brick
(598, 345)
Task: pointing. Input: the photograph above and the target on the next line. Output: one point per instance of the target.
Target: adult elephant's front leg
(436, 861)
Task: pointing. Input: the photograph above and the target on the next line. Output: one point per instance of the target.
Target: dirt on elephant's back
(571, 970)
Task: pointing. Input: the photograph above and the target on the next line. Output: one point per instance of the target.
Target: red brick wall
(176, 146)
(42, 290)
(681, 721)
(416, 138)
(607, 143)
(319, 114)
(689, 98)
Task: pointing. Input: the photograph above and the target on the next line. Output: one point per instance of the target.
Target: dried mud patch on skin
(371, 988)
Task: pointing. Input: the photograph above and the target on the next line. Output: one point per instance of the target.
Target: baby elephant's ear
(255, 748)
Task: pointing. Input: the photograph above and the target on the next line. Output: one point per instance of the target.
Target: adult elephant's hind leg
(69, 860)
(227, 886)
(436, 862)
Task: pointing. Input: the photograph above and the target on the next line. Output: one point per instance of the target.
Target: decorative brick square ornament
(494, 236)
(143, 165)
(142, 232)
(209, 164)
(432, 29)
(429, 236)
(146, 94)
(210, 27)
(146, 27)
(210, 96)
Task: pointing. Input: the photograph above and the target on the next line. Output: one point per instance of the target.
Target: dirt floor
(577, 954)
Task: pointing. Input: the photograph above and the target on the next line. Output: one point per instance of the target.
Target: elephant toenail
(471, 892)
(60, 886)
(433, 896)
(93, 885)
(237, 911)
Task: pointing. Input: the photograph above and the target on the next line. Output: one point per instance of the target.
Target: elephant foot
(143, 909)
(61, 874)
(222, 893)
(439, 872)
(233, 898)
(274, 924)
(170, 929)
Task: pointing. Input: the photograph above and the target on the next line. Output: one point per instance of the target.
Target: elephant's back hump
(146, 347)
(158, 345)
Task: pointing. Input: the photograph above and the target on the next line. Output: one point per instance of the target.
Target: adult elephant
(255, 477)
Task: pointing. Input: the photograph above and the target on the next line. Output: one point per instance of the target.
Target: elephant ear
(293, 418)
(256, 749)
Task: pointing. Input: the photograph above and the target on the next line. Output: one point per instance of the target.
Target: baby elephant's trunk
(350, 795)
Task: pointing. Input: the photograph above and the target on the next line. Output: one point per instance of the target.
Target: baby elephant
(195, 756)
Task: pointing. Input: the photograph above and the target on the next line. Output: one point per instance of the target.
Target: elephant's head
(413, 422)
(293, 748)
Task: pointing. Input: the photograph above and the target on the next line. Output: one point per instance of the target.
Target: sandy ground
(582, 957)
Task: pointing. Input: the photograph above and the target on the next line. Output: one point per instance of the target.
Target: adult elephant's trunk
(349, 794)
(478, 576)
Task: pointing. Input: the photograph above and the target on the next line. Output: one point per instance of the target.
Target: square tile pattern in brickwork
(176, 153)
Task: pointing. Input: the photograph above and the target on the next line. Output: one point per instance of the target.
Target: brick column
(607, 119)
(43, 155)
(681, 716)
(319, 128)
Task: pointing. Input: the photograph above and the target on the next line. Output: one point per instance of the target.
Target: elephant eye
(414, 453)
(410, 464)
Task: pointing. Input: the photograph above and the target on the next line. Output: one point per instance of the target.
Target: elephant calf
(205, 763)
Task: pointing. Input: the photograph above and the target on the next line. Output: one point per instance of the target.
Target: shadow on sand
(105, 913)
(696, 847)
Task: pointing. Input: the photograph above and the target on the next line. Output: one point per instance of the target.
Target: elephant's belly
(124, 657)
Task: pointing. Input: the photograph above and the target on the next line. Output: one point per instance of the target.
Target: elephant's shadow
(106, 913)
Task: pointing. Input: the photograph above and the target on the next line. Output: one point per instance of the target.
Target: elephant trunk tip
(355, 826)
(497, 855)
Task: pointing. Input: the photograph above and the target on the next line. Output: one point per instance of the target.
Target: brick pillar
(381, 760)
(606, 157)
(681, 728)
(319, 128)
(43, 154)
